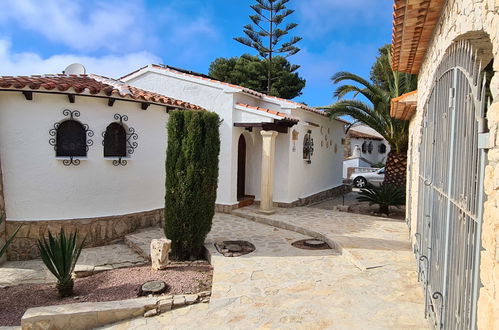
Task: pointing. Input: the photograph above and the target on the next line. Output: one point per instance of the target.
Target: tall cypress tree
(191, 180)
(267, 22)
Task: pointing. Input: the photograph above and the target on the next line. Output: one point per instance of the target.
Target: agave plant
(60, 255)
(9, 240)
(385, 196)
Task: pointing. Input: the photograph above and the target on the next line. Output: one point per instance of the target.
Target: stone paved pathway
(280, 286)
(91, 260)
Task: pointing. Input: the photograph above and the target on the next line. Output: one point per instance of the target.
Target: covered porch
(256, 131)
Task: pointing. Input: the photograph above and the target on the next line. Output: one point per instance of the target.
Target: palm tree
(376, 112)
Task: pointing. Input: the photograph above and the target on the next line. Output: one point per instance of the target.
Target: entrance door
(450, 202)
(241, 167)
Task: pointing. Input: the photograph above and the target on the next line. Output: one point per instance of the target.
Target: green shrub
(191, 180)
(60, 255)
(384, 195)
(9, 240)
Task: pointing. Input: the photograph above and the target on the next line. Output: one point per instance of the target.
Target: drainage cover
(152, 287)
(315, 243)
(234, 248)
(311, 244)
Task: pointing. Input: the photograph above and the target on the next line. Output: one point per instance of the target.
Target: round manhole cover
(234, 248)
(311, 244)
(152, 287)
(315, 243)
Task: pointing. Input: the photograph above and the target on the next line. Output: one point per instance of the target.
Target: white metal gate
(450, 200)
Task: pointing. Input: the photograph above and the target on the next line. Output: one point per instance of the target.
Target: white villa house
(87, 153)
(363, 147)
(302, 147)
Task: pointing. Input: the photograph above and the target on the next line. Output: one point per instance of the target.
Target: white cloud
(27, 63)
(81, 25)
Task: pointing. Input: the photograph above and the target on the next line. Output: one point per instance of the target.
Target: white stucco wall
(213, 98)
(325, 170)
(374, 156)
(353, 162)
(37, 186)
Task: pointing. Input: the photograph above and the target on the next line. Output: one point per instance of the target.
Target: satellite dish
(75, 68)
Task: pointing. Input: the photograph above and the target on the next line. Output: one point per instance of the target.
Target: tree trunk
(396, 169)
(65, 289)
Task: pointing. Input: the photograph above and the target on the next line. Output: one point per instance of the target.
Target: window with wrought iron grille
(382, 148)
(70, 138)
(364, 147)
(119, 140)
(115, 141)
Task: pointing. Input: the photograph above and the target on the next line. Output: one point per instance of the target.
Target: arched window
(370, 147)
(382, 148)
(115, 141)
(308, 147)
(364, 147)
(71, 139)
(119, 140)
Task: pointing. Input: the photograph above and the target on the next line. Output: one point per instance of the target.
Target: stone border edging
(82, 316)
(304, 231)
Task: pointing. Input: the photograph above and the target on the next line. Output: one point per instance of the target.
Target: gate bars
(450, 195)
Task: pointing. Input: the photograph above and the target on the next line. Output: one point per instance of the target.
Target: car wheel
(360, 182)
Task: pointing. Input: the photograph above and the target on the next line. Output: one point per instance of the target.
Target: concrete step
(140, 241)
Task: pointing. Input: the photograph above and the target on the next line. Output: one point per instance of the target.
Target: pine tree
(270, 13)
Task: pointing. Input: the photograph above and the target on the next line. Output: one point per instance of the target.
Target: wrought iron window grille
(119, 141)
(308, 147)
(70, 138)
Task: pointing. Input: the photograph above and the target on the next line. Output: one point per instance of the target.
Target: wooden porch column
(267, 182)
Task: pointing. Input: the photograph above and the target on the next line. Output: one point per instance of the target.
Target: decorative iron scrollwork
(308, 147)
(64, 143)
(71, 161)
(130, 140)
(438, 296)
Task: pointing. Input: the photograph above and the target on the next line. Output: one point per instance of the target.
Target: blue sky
(114, 37)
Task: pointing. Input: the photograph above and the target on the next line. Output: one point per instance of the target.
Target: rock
(191, 299)
(152, 287)
(204, 294)
(342, 208)
(151, 313)
(165, 305)
(178, 301)
(159, 253)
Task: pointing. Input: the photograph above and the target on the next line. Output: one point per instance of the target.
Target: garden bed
(118, 284)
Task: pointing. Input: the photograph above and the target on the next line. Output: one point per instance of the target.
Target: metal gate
(451, 190)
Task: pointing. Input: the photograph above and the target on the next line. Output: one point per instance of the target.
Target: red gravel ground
(110, 285)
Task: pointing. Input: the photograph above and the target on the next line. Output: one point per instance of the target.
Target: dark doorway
(241, 167)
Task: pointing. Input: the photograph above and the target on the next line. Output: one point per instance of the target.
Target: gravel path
(110, 285)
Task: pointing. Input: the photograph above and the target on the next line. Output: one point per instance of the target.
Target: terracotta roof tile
(272, 112)
(404, 106)
(93, 84)
(362, 135)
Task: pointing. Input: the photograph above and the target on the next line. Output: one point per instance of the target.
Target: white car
(376, 178)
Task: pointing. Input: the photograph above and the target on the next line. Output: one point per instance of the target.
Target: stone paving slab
(91, 260)
(361, 236)
(280, 286)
